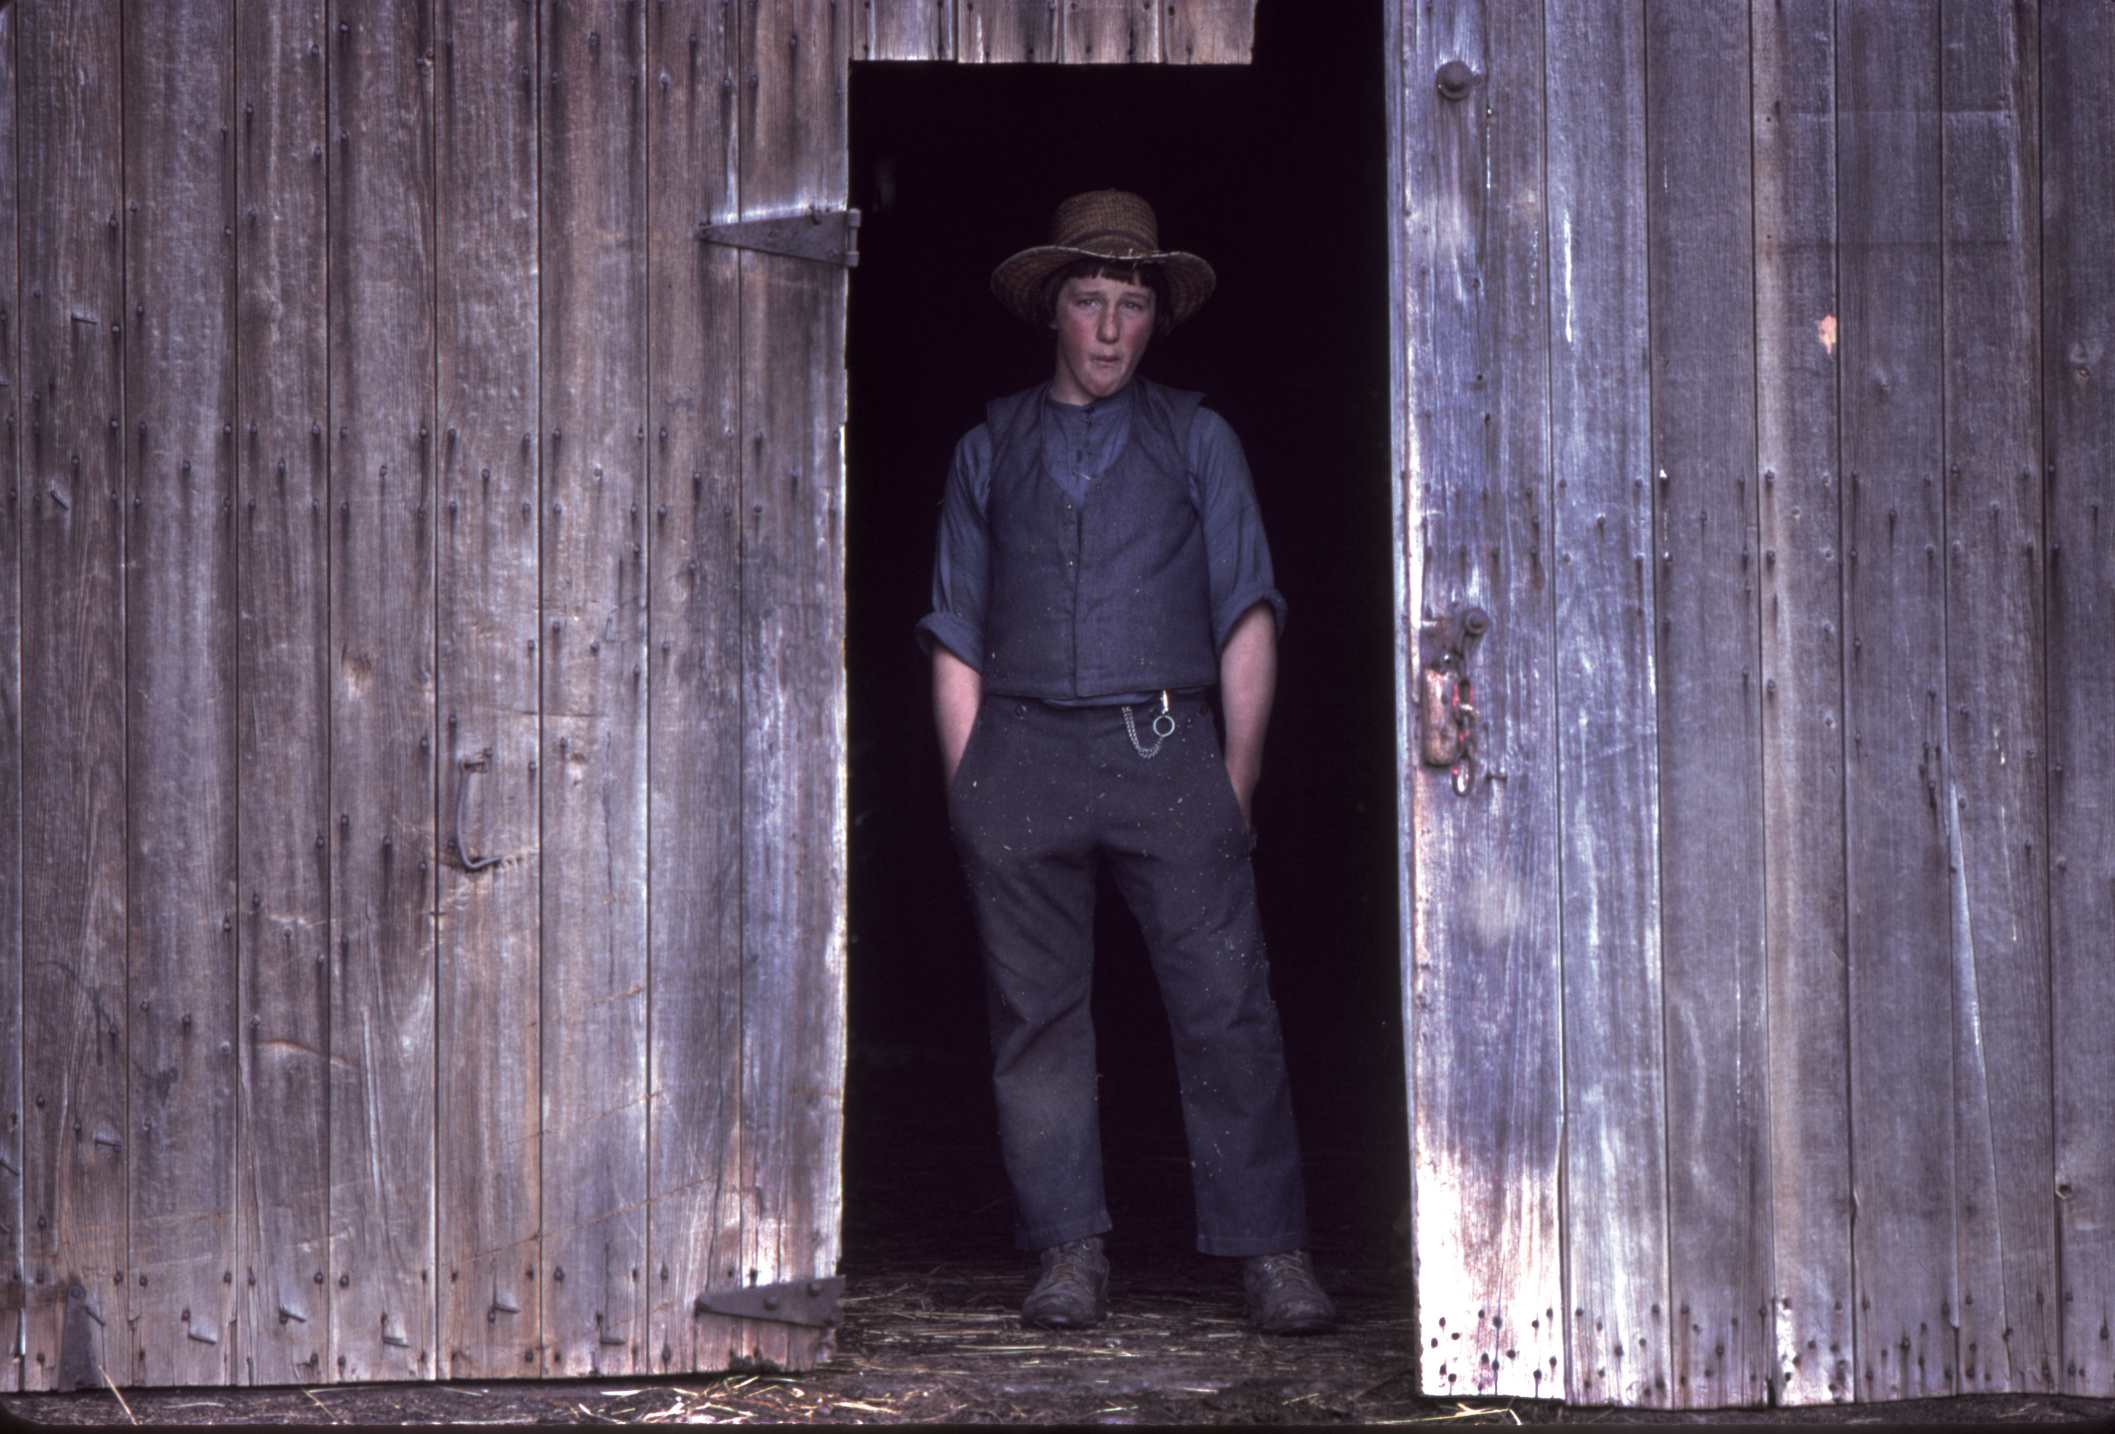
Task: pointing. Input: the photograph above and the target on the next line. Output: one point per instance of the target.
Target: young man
(1102, 604)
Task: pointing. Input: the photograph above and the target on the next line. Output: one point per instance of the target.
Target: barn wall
(421, 674)
(421, 603)
(1749, 372)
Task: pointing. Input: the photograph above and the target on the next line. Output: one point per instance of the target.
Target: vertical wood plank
(695, 766)
(1701, 242)
(793, 154)
(1003, 32)
(1796, 333)
(2078, 354)
(1607, 733)
(485, 237)
(180, 677)
(1209, 32)
(1900, 932)
(74, 1037)
(13, 1289)
(1110, 32)
(1484, 915)
(594, 686)
(1996, 792)
(904, 30)
(283, 690)
(382, 694)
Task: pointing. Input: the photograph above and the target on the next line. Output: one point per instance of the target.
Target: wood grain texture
(180, 605)
(793, 155)
(1796, 333)
(1615, 1174)
(75, 1033)
(1701, 241)
(13, 1287)
(1110, 32)
(1007, 31)
(695, 765)
(283, 693)
(1990, 91)
(2078, 356)
(594, 687)
(1901, 982)
(893, 29)
(485, 236)
(1484, 912)
(1210, 32)
(382, 689)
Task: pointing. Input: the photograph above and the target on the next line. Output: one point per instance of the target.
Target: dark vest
(1105, 596)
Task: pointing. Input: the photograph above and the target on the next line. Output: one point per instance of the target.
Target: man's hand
(1248, 680)
(958, 689)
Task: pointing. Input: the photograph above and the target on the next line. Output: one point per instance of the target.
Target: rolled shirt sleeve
(1237, 554)
(962, 555)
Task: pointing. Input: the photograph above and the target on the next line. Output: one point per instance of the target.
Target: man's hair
(1148, 276)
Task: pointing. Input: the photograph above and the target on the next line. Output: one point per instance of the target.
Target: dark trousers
(1042, 795)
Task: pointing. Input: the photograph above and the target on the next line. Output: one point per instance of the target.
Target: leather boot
(1073, 1290)
(1283, 1297)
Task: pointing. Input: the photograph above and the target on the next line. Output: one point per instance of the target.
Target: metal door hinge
(824, 236)
(1446, 710)
(804, 1302)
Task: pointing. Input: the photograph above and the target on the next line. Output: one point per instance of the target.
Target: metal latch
(1446, 709)
(804, 1302)
(824, 236)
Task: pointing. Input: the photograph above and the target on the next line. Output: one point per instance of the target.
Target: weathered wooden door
(421, 600)
(1751, 381)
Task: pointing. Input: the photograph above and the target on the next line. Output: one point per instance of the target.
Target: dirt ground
(940, 1343)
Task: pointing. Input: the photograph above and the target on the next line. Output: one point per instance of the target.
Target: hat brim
(1018, 282)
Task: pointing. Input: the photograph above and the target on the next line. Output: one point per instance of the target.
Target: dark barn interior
(1273, 173)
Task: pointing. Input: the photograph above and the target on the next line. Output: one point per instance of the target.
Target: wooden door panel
(488, 1146)
(1482, 998)
(2078, 302)
(1607, 721)
(382, 694)
(76, 1023)
(1797, 331)
(284, 687)
(180, 599)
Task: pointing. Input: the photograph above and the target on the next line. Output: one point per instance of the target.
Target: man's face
(1103, 326)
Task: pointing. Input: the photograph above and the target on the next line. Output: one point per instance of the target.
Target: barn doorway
(1275, 172)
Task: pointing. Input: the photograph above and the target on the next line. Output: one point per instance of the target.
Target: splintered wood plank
(74, 1038)
(695, 774)
(1895, 828)
(1796, 333)
(1212, 32)
(382, 697)
(283, 691)
(1701, 243)
(1110, 32)
(1484, 915)
(594, 687)
(1996, 792)
(2078, 358)
(900, 29)
(13, 1290)
(1005, 31)
(486, 580)
(180, 603)
(1606, 718)
(792, 325)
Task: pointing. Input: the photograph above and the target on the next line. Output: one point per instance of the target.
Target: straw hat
(1101, 224)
